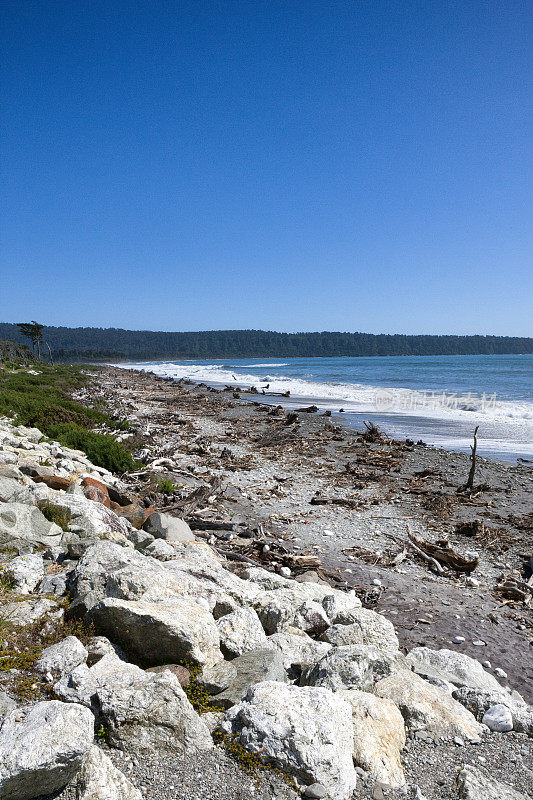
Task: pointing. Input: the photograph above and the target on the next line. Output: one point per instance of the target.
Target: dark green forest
(107, 344)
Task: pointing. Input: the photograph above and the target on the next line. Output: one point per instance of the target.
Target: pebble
(486, 664)
(445, 602)
(376, 582)
(472, 582)
(285, 572)
(266, 548)
(478, 643)
(458, 639)
(501, 673)
(458, 741)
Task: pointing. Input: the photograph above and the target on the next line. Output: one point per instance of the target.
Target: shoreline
(404, 412)
(200, 434)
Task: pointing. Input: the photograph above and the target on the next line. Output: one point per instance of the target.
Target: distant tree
(34, 331)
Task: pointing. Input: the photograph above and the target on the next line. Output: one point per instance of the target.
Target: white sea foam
(509, 425)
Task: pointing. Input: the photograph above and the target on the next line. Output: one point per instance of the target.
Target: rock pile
(296, 673)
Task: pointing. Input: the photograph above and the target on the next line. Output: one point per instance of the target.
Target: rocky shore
(270, 605)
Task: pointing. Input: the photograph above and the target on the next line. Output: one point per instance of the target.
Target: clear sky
(295, 165)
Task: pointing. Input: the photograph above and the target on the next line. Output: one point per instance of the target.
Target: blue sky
(288, 165)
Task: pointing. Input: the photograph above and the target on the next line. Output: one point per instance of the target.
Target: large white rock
(476, 784)
(81, 685)
(353, 667)
(498, 718)
(99, 779)
(311, 618)
(253, 667)
(13, 491)
(107, 570)
(336, 603)
(42, 747)
(61, 658)
(150, 713)
(24, 525)
(90, 519)
(428, 708)
(154, 633)
(448, 665)
(172, 529)
(240, 632)
(26, 612)
(298, 651)
(361, 626)
(159, 549)
(379, 736)
(25, 572)
(304, 731)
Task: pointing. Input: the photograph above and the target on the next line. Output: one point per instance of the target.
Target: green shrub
(166, 485)
(42, 401)
(101, 448)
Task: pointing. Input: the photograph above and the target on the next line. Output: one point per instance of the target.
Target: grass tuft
(54, 513)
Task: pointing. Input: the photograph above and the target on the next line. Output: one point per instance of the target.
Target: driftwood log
(196, 498)
(441, 553)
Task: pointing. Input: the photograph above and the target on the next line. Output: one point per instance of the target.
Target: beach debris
(321, 500)
(441, 552)
(513, 588)
(372, 433)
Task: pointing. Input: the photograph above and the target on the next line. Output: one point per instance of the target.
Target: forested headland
(116, 344)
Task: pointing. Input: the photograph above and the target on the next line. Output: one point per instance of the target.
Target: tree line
(107, 344)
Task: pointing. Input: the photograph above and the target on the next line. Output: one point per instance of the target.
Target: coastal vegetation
(40, 398)
(115, 344)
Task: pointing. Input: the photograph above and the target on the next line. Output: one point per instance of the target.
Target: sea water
(438, 399)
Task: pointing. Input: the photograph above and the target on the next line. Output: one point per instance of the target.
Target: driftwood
(320, 500)
(513, 588)
(196, 498)
(440, 553)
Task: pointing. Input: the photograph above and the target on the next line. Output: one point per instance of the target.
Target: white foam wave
(514, 418)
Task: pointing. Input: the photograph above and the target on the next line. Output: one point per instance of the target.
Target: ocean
(438, 399)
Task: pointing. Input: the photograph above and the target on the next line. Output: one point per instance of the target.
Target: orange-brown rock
(52, 481)
(93, 493)
(95, 490)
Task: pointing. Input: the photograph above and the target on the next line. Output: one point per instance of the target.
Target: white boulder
(24, 525)
(42, 747)
(305, 732)
(476, 784)
(172, 529)
(99, 779)
(150, 713)
(428, 708)
(61, 658)
(240, 632)
(298, 651)
(498, 718)
(165, 632)
(25, 572)
(379, 736)
(361, 626)
(451, 666)
(352, 667)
